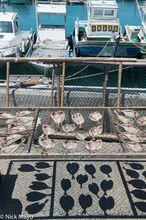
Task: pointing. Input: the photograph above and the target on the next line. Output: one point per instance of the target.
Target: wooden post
(7, 88)
(58, 86)
(119, 84)
(63, 78)
(104, 89)
(52, 89)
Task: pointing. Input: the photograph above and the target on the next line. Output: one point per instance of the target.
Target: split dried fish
(22, 113)
(69, 144)
(95, 131)
(95, 116)
(124, 119)
(132, 137)
(12, 129)
(10, 149)
(135, 146)
(19, 120)
(6, 116)
(131, 128)
(11, 139)
(94, 145)
(78, 118)
(58, 117)
(48, 129)
(130, 113)
(142, 121)
(46, 143)
(68, 128)
(3, 131)
(81, 135)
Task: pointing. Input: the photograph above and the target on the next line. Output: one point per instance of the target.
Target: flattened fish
(20, 121)
(10, 139)
(4, 115)
(68, 128)
(69, 144)
(124, 119)
(22, 113)
(142, 121)
(95, 131)
(12, 129)
(58, 117)
(78, 118)
(94, 145)
(95, 116)
(130, 113)
(131, 128)
(81, 135)
(135, 146)
(10, 149)
(132, 137)
(46, 143)
(48, 129)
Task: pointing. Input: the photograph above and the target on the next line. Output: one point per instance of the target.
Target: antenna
(2, 1)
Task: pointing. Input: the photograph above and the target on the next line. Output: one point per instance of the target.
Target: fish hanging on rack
(10, 139)
(124, 119)
(81, 135)
(132, 137)
(69, 144)
(6, 116)
(94, 145)
(58, 117)
(9, 149)
(48, 129)
(131, 128)
(68, 128)
(46, 143)
(130, 113)
(23, 113)
(94, 131)
(95, 116)
(78, 118)
(135, 146)
(142, 121)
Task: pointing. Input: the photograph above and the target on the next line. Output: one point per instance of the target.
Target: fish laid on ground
(58, 117)
(69, 144)
(11, 139)
(124, 119)
(95, 131)
(81, 135)
(10, 149)
(78, 118)
(130, 113)
(4, 115)
(135, 146)
(23, 113)
(68, 128)
(95, 116)
(94, 145)
(142, 121)
(131, 128)
(46, 143)
(132, 137)
(48, 129)
(12, 129)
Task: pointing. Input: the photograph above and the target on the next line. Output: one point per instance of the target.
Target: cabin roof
(51, 8)
(7, 16)
(103, 3)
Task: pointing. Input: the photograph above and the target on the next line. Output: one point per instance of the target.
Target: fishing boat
(101, 34)
(13, 42)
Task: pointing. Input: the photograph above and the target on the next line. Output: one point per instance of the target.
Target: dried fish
(10, 139)
(95, 116)
(131, 128)
(142, 121)
(22, 113)
(20, 120)
(10, 149)
(130, 113)
(3, 131)
(46, 143)
(134, 146)
(4, 115)
(81, 135)
(69, 144)
(78, 118)
(58, 117)
(94, 145)
(12, 129)
(48, 129)
(95, 131)
(68, 128)
(124, 119)
(132, 137)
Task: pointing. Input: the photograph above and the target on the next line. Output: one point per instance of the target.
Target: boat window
(110, 28)
(109, 12)
(116, 28)
(16, 26)
(6, 27)
(104, 27)
(98, 12)
(93, 28)
(99, 28)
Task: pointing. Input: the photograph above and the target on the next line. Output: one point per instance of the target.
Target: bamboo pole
(104, 90)
(7, 88)
(119, 84)
(58, 86)
(52, 88)
(63, 78)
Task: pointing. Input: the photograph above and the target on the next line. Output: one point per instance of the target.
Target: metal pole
(119, 84)
(63, 78)
(104, 89)
(7, 92)
(58, 86)
(52, 89)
